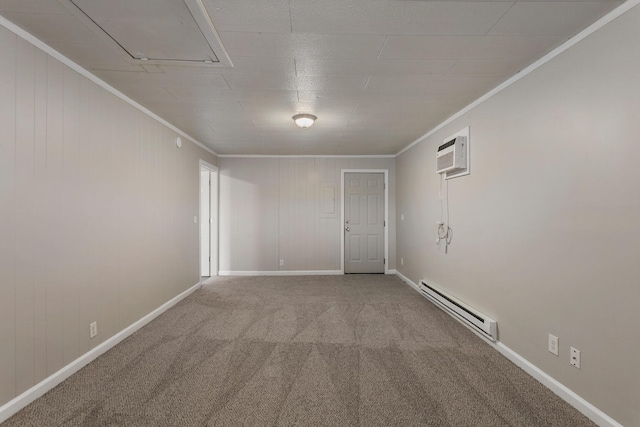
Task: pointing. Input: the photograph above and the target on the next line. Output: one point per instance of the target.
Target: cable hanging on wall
(444, 231)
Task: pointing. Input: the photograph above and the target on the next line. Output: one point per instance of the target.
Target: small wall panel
(328, 194)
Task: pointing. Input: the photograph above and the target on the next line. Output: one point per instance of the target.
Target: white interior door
(213, 221)
(364, 223)
(205, 222)
(208, 220)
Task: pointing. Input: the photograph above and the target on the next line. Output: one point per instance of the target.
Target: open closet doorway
(208, 219)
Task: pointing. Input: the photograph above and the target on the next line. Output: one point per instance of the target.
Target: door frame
(215, 213)
(386, 213)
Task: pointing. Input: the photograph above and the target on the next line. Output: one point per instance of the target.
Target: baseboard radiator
(477, 321)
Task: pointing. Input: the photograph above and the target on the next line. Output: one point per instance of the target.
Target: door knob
(347, 229)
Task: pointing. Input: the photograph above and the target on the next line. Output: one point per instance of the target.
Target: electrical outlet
(575, 358)
(93, 329)
(281, 263)
(401, 261)
(401, 217)
(553, 344)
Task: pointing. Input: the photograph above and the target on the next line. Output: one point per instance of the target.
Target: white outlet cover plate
(553, 344)
(575, 358)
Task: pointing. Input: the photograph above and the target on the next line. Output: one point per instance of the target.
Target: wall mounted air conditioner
(452, 155)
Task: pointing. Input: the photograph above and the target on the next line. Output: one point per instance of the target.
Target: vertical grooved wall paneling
(288, 208)
(54, 242)
(8, 120)
(39, 218)
(24, 207)
(72, 244)
(96, 214)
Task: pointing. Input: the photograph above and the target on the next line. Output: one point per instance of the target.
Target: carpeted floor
(355, 350)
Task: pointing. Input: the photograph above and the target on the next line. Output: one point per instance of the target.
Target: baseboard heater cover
(476, 320)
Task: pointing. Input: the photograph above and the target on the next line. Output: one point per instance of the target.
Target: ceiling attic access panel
(154, 31)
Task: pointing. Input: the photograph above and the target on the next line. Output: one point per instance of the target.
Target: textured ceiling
(378, 73)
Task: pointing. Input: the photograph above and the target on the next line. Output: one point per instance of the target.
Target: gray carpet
(356, 350)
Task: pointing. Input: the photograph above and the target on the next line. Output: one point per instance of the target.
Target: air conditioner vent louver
(445, 161)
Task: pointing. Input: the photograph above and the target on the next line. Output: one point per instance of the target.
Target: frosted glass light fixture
(304, 120)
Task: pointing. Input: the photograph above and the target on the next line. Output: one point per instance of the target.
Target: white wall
(274, 208)
(96, 214)
(547, 226)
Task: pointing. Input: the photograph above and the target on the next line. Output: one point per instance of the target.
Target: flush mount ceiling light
(304, 120)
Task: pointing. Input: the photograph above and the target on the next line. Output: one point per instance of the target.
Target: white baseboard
(407, 281)
(586, 408)
(391, 272)
(573, 399)
(281, 273)
(19, 402)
